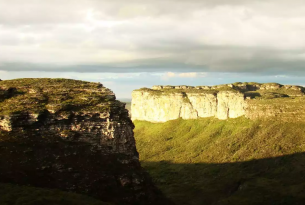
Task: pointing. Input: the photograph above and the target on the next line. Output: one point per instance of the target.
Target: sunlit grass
(212, 140)
(209, 160)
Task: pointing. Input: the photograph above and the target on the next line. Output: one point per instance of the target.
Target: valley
(237, 161)
(72, 142)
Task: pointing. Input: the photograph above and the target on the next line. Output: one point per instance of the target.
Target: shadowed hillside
(275, 181)
(24, 195)
(238, 161)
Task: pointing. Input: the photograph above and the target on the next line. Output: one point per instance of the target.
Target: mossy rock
(33, 95)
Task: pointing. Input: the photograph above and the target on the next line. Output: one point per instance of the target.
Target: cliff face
(163, 103)
(71, 135)
(161, 108)
(230, 105)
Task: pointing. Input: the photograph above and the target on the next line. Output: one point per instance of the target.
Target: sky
(131, 44)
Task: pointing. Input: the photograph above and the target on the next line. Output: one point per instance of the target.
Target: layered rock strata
(74, 136)
(236, 86)
(253, 100)
(164, 107)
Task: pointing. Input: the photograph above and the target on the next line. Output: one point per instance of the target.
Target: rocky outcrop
(230, 105)
(161, 107)
(163, 103)
(74, 136)
(242, 87)
(285, 109)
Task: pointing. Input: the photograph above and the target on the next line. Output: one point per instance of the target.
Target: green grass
(238, 161)
(289, 109)
(184, 91)
(263, 94)
(24, 195)
(246, 83)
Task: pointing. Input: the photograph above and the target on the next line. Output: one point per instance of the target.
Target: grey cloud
(40, 12)
(65, 12)
(212, 59)
(245, 36)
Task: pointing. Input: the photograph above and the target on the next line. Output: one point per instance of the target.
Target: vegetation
(246, 83)
(24, 195)
(271, 94)
(237, 161)
(56, 95)
(183, 91)
(268, 91)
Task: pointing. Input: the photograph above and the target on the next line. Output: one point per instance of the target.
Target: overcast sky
(138, 43)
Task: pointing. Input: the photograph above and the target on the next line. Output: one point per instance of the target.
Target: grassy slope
(23, 195)
(238, 161)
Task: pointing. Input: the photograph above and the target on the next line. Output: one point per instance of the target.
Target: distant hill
(128, 106)
(128, 103)
(128, 100)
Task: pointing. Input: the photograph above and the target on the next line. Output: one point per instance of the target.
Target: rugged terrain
(73, 136)
(199, 154)
(253, 100)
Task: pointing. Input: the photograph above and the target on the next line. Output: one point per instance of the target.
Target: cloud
(187, 75)
(168, 75)
(245, 36)
(184, 75)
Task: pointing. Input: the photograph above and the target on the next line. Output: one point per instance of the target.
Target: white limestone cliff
(161, 107)
(252, 100)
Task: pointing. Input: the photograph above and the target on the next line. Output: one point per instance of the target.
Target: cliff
(253, 100)
(73, 136)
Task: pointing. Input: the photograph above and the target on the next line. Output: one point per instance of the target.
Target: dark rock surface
(74, 136)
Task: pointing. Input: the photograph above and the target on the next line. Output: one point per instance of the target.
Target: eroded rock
(74, 136)
(161, 107)
(221, 101)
